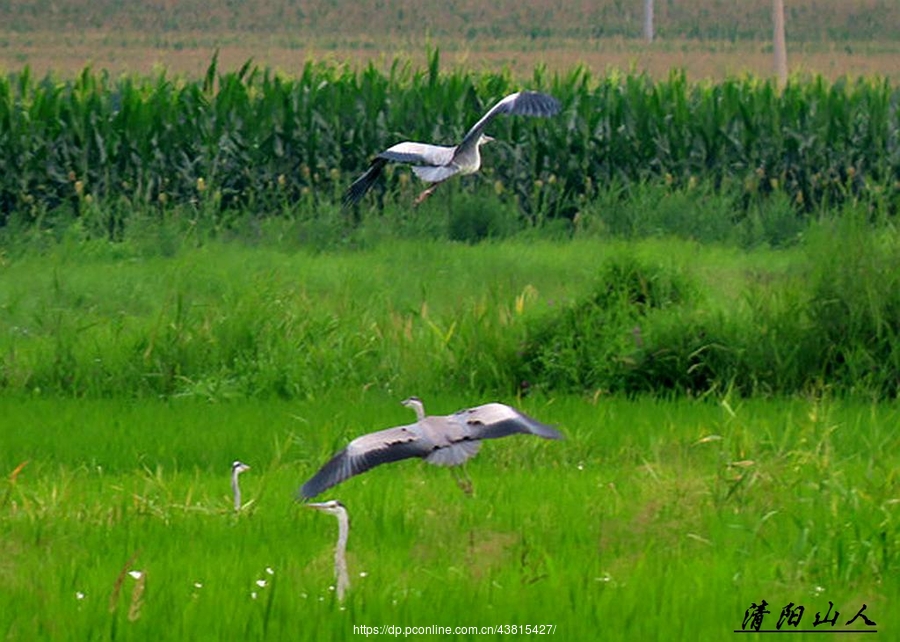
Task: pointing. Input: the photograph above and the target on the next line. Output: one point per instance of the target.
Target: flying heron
(334, 507)
(437, 163)
(441, 440)
(237, 468)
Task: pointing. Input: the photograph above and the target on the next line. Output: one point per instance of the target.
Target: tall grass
(258, 317)
(830, 322)
(98, 147)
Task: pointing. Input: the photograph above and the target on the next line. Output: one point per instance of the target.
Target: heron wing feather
(362, 184)
(435, 174)
(455, 454)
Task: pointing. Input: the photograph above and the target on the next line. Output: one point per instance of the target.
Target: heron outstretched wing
(456, 438)
(495, 420)
(521, 103)
(430, 164)
(364, 453)
(418, 153)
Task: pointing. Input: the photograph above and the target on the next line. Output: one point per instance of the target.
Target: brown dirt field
(190, 54)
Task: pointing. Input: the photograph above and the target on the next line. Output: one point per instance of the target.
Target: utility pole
(648, 20)
(778, 42)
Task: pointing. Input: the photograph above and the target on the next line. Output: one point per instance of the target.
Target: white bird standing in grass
(441, 440)
(334, 507)
(236, 469)
(436, 163)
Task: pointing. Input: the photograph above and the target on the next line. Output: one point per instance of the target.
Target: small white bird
(437, 163)
(236, 469)
(334, 507)
(441, 440)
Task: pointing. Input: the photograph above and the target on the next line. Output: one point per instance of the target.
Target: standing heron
(437, 163)
(334, 507)
(237, 468)
(441, 440)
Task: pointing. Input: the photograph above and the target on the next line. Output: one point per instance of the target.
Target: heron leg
(426, 193)
(464, 481)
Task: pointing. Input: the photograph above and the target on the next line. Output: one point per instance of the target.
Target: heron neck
(468, 158)
(340, 561)
(418, 407)
(236, 488)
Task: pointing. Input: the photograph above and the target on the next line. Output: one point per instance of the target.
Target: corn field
(255, 138)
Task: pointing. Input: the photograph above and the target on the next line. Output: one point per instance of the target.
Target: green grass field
(653, 520)
(657, 518)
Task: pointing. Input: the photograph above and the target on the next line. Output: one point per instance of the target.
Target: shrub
(598, 340)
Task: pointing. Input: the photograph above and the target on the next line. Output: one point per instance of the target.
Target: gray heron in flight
(437, 163)
(441, 440)
(334, 507)
(237, 468)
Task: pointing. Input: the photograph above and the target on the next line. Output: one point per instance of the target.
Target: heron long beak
(487, 139)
